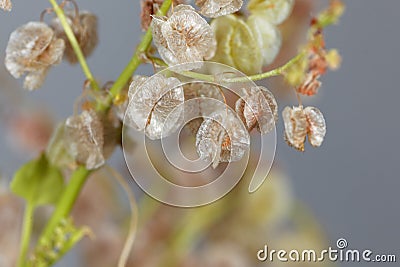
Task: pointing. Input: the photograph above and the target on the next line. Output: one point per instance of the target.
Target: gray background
(352, 182)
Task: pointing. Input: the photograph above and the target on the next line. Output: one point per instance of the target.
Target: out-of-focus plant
(247, 39)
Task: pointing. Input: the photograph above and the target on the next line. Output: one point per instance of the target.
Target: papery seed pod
(185, 37)
(151, 104)
(258, 108)
(201, 92)
(222, 138)
(6, 5)
(267, 35)
(316, 128)
(85, 29)
(275, 11)
(33, 49)
(84, 137)
(295, 127)
(217, 8)
(237, 46)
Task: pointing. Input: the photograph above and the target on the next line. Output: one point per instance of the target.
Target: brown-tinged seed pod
(276, 11)
(33, 49)
(151, 102)
(217, 8)
(85, 29)
(222, 138)
(258, 108)
(6, 5)
(84, 135)
(185, 37)
(295, 127)
(316, 128)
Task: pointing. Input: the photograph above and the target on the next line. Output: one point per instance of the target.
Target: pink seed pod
(33, 49)
(84, 27)
(295, 127)
(258, 108)
(222, 138)
(84, 139)
(185, 37)
(316, 128)
(6, 5)
(217, 8)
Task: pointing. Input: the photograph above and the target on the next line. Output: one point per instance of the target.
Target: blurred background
(348, 188)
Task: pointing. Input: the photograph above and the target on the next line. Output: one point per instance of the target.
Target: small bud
(217, 8)
(85, 139)
(222, 138)
(85, 29)
(275, 11)
(258, 109)
(334, 59)
(185, 37)
(6, 5)
(33, 49)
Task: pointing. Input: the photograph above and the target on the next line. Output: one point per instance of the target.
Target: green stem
(136, 58)
(211, 78)
(67, 200)
(26, 234)
(74, 43)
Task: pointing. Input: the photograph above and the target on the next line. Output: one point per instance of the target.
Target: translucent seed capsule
(217, 8)
(33, 49)
(85, 30)
(275, 11)
(295, 127)
(84, 135)
(185, 37)
(237, 46)
(151, 104)
(222, 138)
(6, 5)
(258, 108)
(316, 128)
(267, 35)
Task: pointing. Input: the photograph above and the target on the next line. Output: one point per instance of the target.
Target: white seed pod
(237, 46)
(33, 49)
(316, 128)
(185, 37)
(268, 37)
(222, 138)
(84, 135)
(295, 127)
(258, 108)
(85, 30)
(275, 11)
(6, 5)
(217, 8)
(151, 105)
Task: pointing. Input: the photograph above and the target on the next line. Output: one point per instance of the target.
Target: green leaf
(38, 182)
